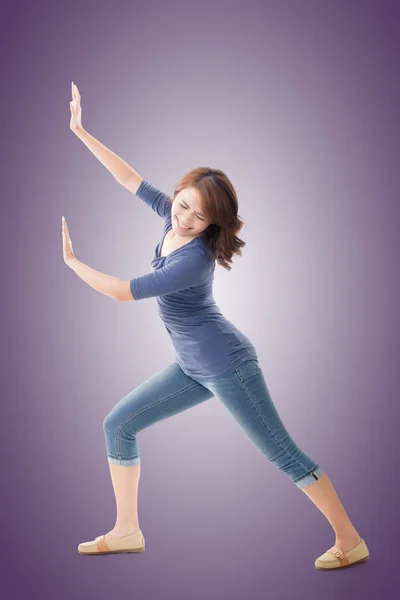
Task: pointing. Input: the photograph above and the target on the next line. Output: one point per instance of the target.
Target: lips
(181, 226)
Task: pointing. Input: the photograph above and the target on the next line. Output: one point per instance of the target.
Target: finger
(74, 99)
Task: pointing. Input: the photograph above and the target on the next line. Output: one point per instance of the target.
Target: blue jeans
(243, 391)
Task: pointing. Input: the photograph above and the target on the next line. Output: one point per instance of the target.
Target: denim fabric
(244, 393)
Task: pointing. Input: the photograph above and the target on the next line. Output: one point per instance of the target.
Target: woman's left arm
(116, 288)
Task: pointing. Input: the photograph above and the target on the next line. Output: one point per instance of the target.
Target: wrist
(79, 131)
(73, 263)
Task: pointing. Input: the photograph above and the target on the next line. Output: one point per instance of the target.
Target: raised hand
(76, 110)
(68, 252)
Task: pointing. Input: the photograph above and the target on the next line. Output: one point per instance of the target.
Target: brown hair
(220, 206)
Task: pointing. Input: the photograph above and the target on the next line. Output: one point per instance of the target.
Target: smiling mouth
(181, 226)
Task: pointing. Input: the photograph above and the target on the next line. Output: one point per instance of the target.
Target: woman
(213, 358)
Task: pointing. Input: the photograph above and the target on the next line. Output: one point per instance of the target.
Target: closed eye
(186, 208)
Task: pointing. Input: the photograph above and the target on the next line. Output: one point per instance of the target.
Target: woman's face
(186, 211)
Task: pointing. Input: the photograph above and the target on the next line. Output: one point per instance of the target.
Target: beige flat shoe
(133, 542)
(336, 559)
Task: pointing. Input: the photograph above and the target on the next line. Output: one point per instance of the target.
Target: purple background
(298, 103)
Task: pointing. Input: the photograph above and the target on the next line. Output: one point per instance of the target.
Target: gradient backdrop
(298, 102)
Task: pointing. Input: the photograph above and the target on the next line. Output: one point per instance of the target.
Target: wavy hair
(219, 204)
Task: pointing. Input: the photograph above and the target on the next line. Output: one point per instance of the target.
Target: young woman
(213, 358)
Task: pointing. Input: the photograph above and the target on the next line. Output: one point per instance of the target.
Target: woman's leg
(245, 394)
(166, 393)
(125, 482)
(323, 495)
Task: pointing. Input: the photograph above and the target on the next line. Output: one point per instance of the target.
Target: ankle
(125, 528)
(349, 537)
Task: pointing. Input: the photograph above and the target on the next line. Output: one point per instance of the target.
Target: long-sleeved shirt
(207, 345)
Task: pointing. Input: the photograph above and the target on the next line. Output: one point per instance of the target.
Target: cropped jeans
(243, 391)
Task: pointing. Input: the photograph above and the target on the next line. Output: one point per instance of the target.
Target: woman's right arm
(120, 169)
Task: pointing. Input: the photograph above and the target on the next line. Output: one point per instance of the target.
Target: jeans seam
(307, 474)
(143, 410)
(266, 424)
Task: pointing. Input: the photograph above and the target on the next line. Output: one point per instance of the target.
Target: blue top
(207, 345)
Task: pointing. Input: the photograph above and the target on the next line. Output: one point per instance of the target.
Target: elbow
(118, 297)
(124, 299)
(123, 293)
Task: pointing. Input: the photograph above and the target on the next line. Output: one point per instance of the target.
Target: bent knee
(114, 424)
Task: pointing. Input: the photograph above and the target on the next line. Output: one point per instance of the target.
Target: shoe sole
(137, 550)
(356, 562)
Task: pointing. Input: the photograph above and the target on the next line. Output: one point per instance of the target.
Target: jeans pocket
(255, 361)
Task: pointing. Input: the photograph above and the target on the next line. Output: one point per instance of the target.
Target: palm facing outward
(76, 110)
(68, 252)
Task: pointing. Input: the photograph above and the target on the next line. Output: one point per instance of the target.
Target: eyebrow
(188, 205)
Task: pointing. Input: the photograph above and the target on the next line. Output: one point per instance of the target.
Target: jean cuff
(128, 462)
(310, 478)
